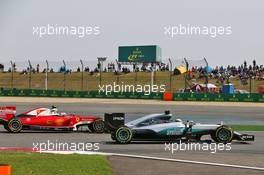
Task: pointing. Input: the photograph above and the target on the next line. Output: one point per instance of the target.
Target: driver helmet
(54, 110)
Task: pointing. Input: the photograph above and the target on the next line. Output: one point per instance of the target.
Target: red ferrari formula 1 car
(47, 119)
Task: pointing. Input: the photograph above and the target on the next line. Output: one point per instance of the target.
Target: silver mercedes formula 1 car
(166, 127)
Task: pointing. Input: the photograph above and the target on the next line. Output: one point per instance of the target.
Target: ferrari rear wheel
(123, 135)
(223, 134)
(98, 126)
(14, 125)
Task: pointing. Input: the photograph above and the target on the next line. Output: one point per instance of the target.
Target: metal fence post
(155, 73)
(250, 84)
(117, 72)
(12, 75)
(64, 75)
(82, 73)
(136, 75)
(100, 78)
(100, 62)
(46, 78)
(170, 71)
(185, 76)
(29, 78)
(206, 78)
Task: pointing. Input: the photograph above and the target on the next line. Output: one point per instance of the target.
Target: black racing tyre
(6, 127)
(90, 126)
(123, 135)
(213, 137)
(222, 134)
(113, 136)
(14, 125)
(198, 137)
(98, 126)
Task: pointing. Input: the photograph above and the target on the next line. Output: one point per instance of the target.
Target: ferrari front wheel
(123, 135)
(98, 126)
(14, 125)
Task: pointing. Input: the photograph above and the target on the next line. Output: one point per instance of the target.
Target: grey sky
(134, 22)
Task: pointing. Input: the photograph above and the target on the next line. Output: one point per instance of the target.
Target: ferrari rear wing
(114, 121)
(7, 112)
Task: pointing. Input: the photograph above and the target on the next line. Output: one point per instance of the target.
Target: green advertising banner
(253, 97)
(139, 54)
(76, 94)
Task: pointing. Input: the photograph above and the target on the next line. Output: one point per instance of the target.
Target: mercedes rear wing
(114, 121)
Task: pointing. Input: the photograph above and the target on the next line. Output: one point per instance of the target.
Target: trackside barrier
(253, 97)
(168, 96)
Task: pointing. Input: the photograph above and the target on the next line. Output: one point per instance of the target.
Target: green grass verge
(27, 163)
(248, 127)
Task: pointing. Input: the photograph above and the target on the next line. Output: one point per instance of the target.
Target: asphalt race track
(251, 154)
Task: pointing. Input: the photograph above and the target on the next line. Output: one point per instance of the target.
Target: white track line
(157, 158)
(145, 157)
(190, 161)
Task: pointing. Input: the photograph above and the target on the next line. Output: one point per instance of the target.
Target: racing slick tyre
(6, 127)
(14, 125)
(198, 138)
(113, 136)
(222, 134)
(98, 126)
(123, 135)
